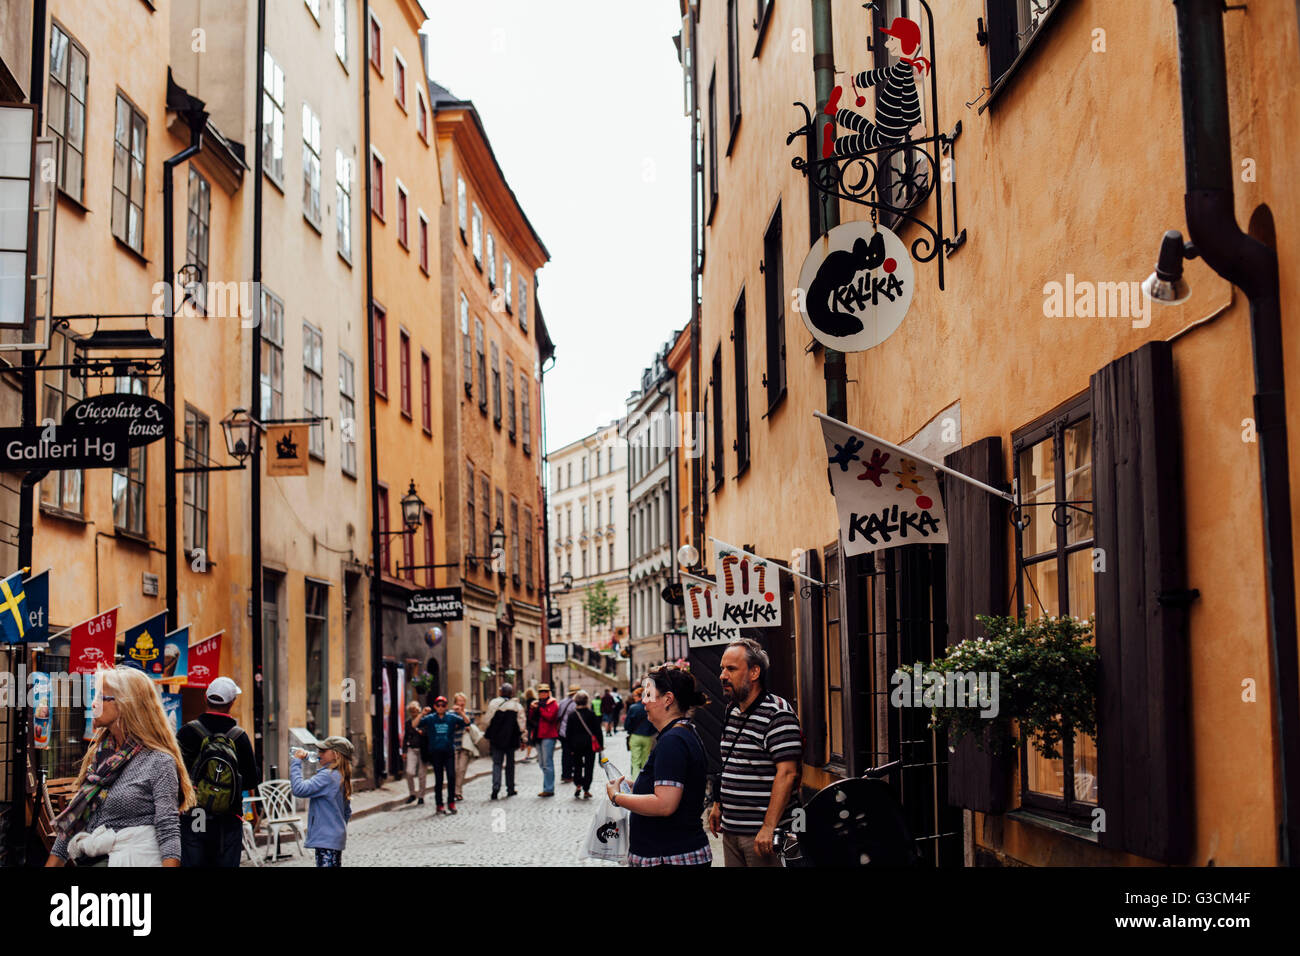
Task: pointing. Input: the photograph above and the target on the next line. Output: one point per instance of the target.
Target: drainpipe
(834, 368)
(1253, 267)
(255, 587)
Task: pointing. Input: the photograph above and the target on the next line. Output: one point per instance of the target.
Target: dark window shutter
(1143, 732)
(977, 584)
(1002, 44)
(812, 666)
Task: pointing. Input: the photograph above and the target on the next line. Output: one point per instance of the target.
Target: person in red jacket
(548, 732)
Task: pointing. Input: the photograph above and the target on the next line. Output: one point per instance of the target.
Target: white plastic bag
(607, 838)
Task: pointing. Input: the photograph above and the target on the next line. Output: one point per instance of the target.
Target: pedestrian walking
(463, 753)
(761, 749)
(440, 730)
(505, 725)
(132, 786)
(413, 748)
(667, 801)
(530, 723)
(586, 740)
(640, 732)
(219, 758)
(618, 710)
(330, 793)
(566, 758)
(606, 711)
(548, 731)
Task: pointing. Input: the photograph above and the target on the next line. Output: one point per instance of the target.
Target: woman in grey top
(132, 786)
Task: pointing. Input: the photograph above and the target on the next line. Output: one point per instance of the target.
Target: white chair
(249, 835)
(280, 815)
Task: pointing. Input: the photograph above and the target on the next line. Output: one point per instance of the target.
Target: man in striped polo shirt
(761, 750)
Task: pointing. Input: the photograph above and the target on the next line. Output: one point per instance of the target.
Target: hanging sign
(53, 447)
(856, 285)
(749, 588)
(884, 498)
(556, 653)
(42, 710)
(172, 708)
(205, 661)
(704, 625)
(434, 605)
(13, 609)
(37, 589)
(146, 419)
(93, 643)
(144, 643)
(173, 667)
(92, 685)
(287, 453)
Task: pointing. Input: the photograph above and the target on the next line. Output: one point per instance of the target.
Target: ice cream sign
(855, 286)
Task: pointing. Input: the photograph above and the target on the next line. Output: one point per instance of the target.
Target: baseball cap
(337, 744)
(223, 690)
(439, 700)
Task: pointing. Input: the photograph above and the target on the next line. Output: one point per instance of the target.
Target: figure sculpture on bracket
(898, 109)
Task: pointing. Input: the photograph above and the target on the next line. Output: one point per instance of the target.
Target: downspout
(255, 410)
(1253, 267)
(697, 170)
(834, 369)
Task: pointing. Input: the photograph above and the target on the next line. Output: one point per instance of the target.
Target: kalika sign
(750, 588)
(884, 498)
(704, 625)
(856, 285)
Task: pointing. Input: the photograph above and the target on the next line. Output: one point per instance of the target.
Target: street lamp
(241, 433)
(412, 508)
(567, 580)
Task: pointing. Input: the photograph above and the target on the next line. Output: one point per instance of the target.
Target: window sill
(775, 403)
(74, 202)
(427, 430)
(277, 183)
(316, 456)
(1056, 824)
(1022, 57)
(424, 270)
(378, 214)
(382, 393)
(347, 259)
(463, 240)
(53, 511)
(407, 415)
(315, 225)
(349, 474)
(400, 104)
(125, 247)
(405, 247)
(132, 537)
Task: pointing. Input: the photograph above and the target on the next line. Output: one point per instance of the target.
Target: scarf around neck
(105, 768)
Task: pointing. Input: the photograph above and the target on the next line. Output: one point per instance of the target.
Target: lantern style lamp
(241, 433)
(413, 509)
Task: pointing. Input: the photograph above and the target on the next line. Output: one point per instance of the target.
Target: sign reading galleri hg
(856, 285)
(884, 498)
(435, 605)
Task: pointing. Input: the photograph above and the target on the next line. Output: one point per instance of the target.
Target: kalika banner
(703, 611)
(884, 498)
(749, 586)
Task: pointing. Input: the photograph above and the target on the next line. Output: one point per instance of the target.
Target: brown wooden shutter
(812, 666)
(977, 584)
(1143, 734)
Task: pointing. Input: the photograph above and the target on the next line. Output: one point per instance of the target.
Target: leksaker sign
(435, 604)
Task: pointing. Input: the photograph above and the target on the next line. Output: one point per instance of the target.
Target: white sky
(582, 100)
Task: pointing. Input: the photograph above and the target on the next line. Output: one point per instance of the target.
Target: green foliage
(601, 606)
(1047, 683)
(424, 683)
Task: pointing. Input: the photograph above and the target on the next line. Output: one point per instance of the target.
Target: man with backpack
(505, 726)
(219, 757)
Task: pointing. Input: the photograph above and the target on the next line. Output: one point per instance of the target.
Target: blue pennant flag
(37, 589)
(144, 645)
(13, 609)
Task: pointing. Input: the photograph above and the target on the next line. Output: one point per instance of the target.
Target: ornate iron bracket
(1061, 516)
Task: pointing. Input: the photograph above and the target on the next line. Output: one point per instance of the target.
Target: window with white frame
(129, 137)
(461, 206)
(343, 202)
(402, 235)
(421, 116)
(399, 79)
(376, 43)
(199, 208)
(61, 489)
(272, 390)
(129, 483)
(347, 413)
(508, 282)
(341, 31)
(424, 242)
(311, 165)
(492, 261)
(523, 303)
(467, 348)
(478, 237)
(66, 110)
(195, 496)
(313, 386)
(272, 118)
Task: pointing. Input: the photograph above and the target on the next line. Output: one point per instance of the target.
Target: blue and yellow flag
(144, 644)
(13, 609)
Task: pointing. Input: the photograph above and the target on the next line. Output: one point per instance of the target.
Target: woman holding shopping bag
(132, 786)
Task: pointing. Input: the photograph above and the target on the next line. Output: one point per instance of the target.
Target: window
(733, 70)
(314, 7)
(1055, 576)
(492, 261)
(272, 119)
(376, 44)
(424, 242)
(510, 397)
(1013, 25)
(129, 136)
(402, 236)
(485, 511)
(421, 116)
(478, 238)
(514, 538)
(383, 528)
(482, 366)
(527, 412)
(501, 516)
(467, 349)
(460, 206)
(316, 620)
(61, 489)
(310, 165)
(470, 537)
(377, 183)
(426, 393)
(428, 548)
(713, 142)
(199, 208)
(584, 478)
(774, 301)
(598, 522)
(404, 370)
(399, 80)
(475, 649)
(129, 483)
(528, 548)
(716, 383)
(742, 386)
(348, 413)
(272, 356)
(381, 349)
(611, 555)
(343, 202)
(313, 387)
(832, 654)
(341, 31)
(508, 283)
(496, 386)
(523, 303)
(195, 495)
(66, 111)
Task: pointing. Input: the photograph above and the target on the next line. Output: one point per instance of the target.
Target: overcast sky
(582, 100)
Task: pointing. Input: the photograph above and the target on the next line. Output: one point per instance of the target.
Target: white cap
(223, 690)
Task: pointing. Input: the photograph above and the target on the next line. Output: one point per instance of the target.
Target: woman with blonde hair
(132, 786)
(330, 791)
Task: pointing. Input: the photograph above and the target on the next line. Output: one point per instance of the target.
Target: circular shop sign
(856, 285)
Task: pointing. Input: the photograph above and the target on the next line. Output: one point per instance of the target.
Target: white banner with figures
(884, 498)
(750, 588)
(703, 613)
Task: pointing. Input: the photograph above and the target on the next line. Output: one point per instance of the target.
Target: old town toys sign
(857, 284)
(435, 605)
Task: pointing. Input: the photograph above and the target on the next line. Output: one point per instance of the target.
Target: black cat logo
(836, 272)
(607, 832)
(286, 447)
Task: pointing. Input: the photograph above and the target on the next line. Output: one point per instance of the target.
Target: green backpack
(216, 772)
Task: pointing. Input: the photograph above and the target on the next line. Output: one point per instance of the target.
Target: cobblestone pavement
(525, 830)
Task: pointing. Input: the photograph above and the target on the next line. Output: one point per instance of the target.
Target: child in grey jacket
(330, 790)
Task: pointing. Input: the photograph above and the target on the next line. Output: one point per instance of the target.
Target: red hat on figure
(907, 31)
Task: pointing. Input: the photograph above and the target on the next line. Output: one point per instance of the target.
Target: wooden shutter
(812, 667)
(1143, 734)
(977, 584)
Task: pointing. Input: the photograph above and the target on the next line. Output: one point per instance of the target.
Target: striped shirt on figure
(753, 743)
(898, 107)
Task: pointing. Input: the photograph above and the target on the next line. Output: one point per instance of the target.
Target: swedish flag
(13, 609)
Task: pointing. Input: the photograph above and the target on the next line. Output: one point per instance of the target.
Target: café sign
(435, 605)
